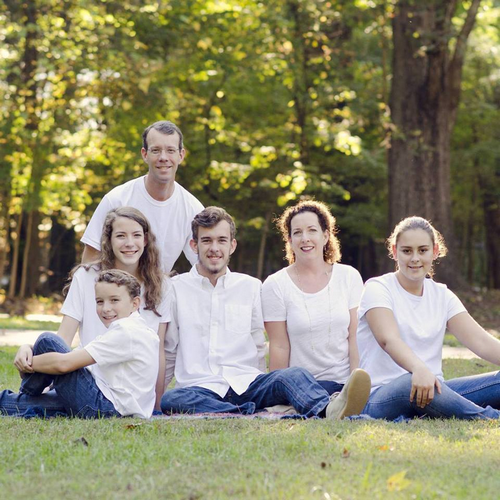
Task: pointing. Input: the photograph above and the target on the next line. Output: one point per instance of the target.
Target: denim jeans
(330, 386)
(292, 386)
(474, 397)
(75, 394)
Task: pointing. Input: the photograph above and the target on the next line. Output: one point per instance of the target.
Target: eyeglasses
(158, 151)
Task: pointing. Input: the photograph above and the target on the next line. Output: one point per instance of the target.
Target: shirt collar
(224, 280)
(135, 314)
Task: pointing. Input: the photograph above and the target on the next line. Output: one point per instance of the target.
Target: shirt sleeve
(374, 295)
(112, 348)
(455, 305)
(355, 288)
(92, 234)
(273, 302)
(73, 305)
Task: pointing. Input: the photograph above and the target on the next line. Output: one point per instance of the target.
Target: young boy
(114, 375)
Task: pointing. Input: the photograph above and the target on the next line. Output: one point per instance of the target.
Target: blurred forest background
(382, 109)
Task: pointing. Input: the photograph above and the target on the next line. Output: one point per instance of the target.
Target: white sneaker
(353, 397)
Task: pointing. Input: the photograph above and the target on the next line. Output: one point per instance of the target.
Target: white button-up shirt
(216, 335)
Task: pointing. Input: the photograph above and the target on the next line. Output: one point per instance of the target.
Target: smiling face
(307, 239)
(128, 243)
(114, 302)
(414, 253)
(214, 248)
(163, 156)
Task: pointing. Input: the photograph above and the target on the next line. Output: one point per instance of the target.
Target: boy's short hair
(121, 278)
(210, 217)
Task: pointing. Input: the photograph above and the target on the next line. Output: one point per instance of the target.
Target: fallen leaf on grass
(81, 440)
(385, 447)
(398, 482)
(346, 453)
(132, 426)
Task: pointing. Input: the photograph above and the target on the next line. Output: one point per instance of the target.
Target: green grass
(19, 323)
(226, 459)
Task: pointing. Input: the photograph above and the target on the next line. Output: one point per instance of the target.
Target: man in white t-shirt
(167, 205)
(216, 338)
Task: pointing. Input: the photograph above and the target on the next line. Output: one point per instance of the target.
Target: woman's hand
(422, 386)
(24, 359)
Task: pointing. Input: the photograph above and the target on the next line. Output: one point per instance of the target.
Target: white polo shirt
(216, 332)
(126, 366)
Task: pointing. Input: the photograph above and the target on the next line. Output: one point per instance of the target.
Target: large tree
(430, 39)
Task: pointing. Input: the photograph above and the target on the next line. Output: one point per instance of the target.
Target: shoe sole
(358, 393)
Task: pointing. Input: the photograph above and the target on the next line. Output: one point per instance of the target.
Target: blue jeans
(75, 394)
(474, 397)
(292, 386)
(330, 386)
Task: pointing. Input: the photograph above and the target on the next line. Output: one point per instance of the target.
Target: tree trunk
(4, 233)
(424, 99)
(262, 245)
(15, 257)
(31, 257)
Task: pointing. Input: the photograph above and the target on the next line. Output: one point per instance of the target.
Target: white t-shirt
(421, 322)
(127, 365)
(170, 220)
(216, 332)
(80, 305)
(319, 333)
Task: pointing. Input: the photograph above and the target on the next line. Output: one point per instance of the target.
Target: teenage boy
(217, 335)
(114, 375)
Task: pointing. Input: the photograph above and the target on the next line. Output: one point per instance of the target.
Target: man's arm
(56, 363)
(90, 254)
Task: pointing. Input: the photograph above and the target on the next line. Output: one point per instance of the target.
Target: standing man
(216, 336)
(166, 204)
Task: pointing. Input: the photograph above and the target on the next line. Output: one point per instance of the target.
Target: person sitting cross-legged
(113, 375)
(216, 336)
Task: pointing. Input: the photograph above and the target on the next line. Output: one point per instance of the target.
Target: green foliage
(277, 101)
(476, 146)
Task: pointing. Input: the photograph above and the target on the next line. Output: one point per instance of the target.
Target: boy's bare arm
(56, 363)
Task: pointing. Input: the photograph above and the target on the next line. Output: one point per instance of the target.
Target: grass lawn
(19, 323)
(257, 459)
